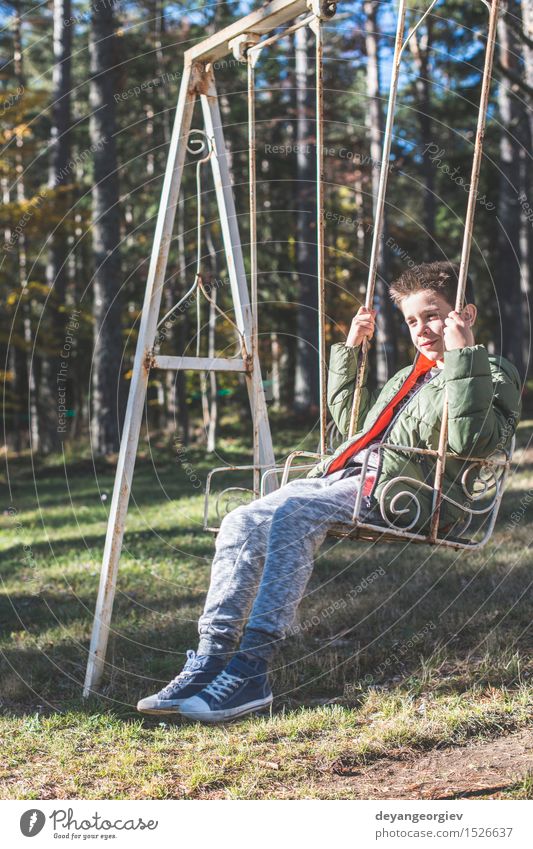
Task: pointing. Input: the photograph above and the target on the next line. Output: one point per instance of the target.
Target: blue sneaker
(198, 671)
(241, 688)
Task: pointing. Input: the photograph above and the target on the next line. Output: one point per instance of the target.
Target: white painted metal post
(134, 411)
(235, 260)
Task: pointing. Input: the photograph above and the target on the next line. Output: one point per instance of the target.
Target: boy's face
(424, 312)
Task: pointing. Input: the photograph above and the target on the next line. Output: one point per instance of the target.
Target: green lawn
(436, 650)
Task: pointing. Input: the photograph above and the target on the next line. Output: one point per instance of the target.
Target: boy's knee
(291, 507)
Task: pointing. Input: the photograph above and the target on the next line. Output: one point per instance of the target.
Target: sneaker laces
(189, 668)
(223, 685)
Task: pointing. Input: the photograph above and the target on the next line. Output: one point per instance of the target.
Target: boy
(265, 550)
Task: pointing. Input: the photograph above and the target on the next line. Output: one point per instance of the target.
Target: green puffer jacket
(484, 408)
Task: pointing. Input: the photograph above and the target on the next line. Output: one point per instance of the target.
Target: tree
(22, 365)
(508, 284)
(420, 45)
(107, 404)
(526, 232)
(306, 388)
(59, 176)
(385, 350)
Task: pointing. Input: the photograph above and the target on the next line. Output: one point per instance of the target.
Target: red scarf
(421, 365)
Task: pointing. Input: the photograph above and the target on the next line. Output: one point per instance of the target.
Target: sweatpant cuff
(210, 645)
(259, 643)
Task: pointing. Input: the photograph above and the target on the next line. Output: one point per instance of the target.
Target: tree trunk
(385, 344)
(171, 408)
(306, 389)
(159, 29)
(527, 52)
(508, 284)
(107, 385)
(526, 244)
(30, 386)
(526, 231)
(420, 48)
(360, 207)
(52, 432)
(213, 401)
(276, 370)
(15, 360)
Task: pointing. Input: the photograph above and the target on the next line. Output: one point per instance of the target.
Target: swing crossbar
(200, 364)
(260, 22)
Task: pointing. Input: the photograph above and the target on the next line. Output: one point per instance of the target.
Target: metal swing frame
(245, 39)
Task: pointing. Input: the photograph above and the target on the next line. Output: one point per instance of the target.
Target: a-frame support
(198, 80)
(139, 381)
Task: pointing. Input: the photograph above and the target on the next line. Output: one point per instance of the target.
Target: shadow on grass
(477, 612)
(140, 545)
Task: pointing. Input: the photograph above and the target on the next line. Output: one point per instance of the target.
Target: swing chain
(240, 45)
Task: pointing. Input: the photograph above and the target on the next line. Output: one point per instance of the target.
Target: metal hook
(240, 45)
(197, 146)
(322, 9)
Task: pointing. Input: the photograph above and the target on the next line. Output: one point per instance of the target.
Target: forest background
(87, 98)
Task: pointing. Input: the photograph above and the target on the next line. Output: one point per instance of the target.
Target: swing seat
(482, 485)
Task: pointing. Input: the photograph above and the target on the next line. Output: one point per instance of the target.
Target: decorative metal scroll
(231, 498)
(228, 498)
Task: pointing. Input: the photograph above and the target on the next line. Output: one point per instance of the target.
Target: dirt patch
(479, 769)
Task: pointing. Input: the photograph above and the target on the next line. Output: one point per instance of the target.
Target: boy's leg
(238, 564)
(236, 574)
(297, 530)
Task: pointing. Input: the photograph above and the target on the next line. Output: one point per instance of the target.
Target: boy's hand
(457, 332)
(362, 327)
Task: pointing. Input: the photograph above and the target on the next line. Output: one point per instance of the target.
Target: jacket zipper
(384, 410)
(388, 429)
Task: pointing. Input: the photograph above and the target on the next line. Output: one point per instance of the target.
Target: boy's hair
(441, 277)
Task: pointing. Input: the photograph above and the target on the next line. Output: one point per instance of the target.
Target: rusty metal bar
(467, 243)
(433, 452)
(316, 26)
(252, 186)
(222, 470)
(236, 271)
(439, 471)
(290, 458)
(379, 209)
(267, 42)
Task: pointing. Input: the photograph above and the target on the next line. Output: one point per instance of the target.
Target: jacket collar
(422, 364)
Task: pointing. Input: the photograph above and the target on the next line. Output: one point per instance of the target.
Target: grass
(522, 790)
(434, 652)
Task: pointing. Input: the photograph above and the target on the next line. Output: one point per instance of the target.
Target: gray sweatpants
(263, 561)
